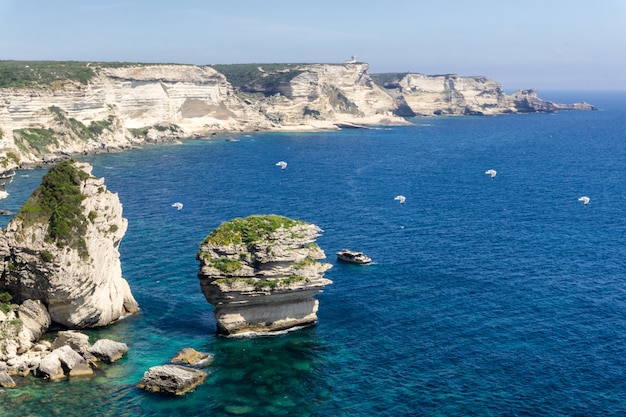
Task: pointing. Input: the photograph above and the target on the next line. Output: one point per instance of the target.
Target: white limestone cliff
(261, 274)
(78, 277)
(132, 104)
(322, 96)
(195, 99)
(451, 94)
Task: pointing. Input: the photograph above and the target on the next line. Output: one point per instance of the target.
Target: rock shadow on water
(281, 375)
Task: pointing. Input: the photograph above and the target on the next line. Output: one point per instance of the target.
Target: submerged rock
(5, 380)
(190, 356)
(171, 379)
(63, 250)
(261, 274)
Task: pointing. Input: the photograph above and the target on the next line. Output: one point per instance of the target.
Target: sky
(542, 44)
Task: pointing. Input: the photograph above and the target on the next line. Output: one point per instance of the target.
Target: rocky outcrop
(70, 355)
(20, 327)
(171, 379)
(63, 362)
(428, 95)
(76, 340)
(261, 274)
(61, 264)
(63, 250)
(118, 108)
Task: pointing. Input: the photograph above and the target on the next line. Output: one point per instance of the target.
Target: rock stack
(61, 264)
(261, 274)
(62, 249)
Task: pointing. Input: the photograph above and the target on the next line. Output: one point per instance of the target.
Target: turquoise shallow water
(500, 297)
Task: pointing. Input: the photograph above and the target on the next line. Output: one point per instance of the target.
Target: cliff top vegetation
(23, 74)
(57, 201)
(31, 74)
(267, 76)
(249, 230)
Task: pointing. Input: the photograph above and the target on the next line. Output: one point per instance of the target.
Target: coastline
(121, 107)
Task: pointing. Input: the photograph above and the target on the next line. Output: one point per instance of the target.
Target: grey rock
(73, 363)
(107, 350)
(5, 380)
(62, 362)
(35, 318)
(171, 379)
(51, 368)
(76, 340)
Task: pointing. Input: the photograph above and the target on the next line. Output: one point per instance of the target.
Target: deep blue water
(487, 297)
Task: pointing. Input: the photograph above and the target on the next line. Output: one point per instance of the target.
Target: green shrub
(5, 302)
(34, 138)
(249, 230)
(57, 201)
(305, 262)
(46, 256)
(311, 112)
(249, 77)
(141, 132)
(10, 157)
(226, 265)
(28, 74)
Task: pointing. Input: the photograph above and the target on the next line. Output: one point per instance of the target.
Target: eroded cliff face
(428, 95)
(122, 107)
(261, 274)
(322, 96)
(119, 108)
(129, 105)
(62, 249)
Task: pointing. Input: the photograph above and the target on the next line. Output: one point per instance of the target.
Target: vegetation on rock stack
(57, 201)
(248, 230)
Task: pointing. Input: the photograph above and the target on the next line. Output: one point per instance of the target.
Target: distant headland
(52, 109)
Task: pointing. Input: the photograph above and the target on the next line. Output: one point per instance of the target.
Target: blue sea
(486, 297)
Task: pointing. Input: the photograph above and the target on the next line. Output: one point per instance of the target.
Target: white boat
(347, 255)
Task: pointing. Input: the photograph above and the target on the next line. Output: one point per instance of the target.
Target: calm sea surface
(487, 297)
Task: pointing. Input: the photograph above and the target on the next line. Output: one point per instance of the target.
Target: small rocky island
(261, 274)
